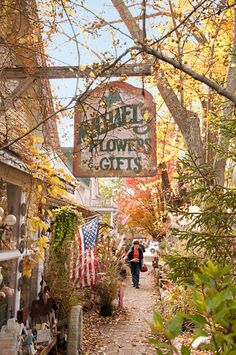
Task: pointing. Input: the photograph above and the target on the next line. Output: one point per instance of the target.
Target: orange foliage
(143, 202)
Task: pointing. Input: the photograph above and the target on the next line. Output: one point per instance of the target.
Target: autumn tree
(28, 138)
(142, 206)
(202, 38)
(191, 48)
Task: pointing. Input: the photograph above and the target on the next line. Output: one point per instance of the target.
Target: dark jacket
(131, 255)
(142, 247)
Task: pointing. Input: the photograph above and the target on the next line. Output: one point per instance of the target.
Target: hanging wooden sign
(115, 133)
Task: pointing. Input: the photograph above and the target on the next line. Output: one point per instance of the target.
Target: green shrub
(215, 314)
(177, 299)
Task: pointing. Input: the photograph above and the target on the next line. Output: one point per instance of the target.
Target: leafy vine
(66, 222)
(57, 270)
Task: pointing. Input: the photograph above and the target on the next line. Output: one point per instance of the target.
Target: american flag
(83, 272)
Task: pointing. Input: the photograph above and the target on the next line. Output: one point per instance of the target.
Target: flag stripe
(84, 267)
(81, 266)
(93, 265)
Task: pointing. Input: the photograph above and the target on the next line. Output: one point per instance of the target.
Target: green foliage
(166, 331)
(107, 283)
(215, 314)
(62, 287)
(57, 269)
(208, 233)
(182, 268)
(66, 222)
(110, 188)
(107, 287)
(176, 299)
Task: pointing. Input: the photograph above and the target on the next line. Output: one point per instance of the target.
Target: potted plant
(107, 282)
(107, 287)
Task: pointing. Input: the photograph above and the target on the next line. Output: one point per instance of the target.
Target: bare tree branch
(184, 68)
(82, 97)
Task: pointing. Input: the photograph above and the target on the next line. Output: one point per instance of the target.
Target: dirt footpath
(129, 337)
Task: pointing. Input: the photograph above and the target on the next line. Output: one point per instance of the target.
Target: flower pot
(106, 310)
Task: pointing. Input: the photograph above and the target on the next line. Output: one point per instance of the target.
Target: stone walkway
(129, 337)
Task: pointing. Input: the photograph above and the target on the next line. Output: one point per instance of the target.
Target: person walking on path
(135, 257)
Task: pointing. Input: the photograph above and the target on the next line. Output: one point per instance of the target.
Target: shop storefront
(17, 292)
(19, 295)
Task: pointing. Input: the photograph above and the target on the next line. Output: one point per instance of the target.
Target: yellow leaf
(42, 241)
(56, 180)
(43, 225)
(34, 150)
(27, 272)
(43, 200)
(175, 174)
(146, 116)
(40, 189)
(37, 139)
(123, 77)
(82, 67)
(92, 75)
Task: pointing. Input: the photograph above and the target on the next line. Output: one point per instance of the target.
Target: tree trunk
(228, 112)
(187, 121)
